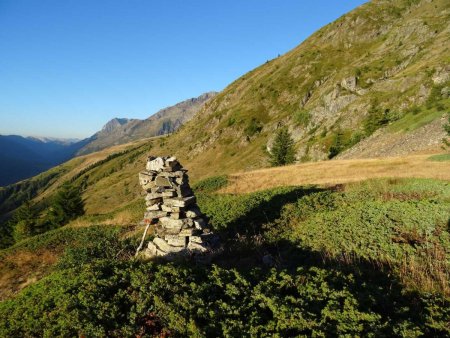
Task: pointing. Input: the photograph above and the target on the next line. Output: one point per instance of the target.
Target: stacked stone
(171, 205)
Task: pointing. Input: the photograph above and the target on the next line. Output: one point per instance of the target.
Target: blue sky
(69, 66)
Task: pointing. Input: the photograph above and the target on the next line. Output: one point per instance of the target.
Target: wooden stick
(142, 240)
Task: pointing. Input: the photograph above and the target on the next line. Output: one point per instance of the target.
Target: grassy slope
(218, 140)
(396, 44)
(383, 246)
(340, 171)
(126, 208)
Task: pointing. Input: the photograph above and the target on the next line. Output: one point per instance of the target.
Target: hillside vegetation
(383, 65)
(379, 74)
(366, 259)
(347, 247)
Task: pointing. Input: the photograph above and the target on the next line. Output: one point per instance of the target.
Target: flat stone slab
(154, 207)
(163, 182)
(179, 202)
(171, 209)
(156, 164)
(196, 247)
(188, 232)
(164, 246)
(176, 240)
(155, 214)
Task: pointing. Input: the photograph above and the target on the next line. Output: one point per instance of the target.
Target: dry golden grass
(124, 217)
(22, 268)
(338, 171)
(84, 161)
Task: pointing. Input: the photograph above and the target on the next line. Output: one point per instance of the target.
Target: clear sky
(69, 66)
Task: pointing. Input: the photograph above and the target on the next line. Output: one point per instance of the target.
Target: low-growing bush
(366, 259)
(210, 184)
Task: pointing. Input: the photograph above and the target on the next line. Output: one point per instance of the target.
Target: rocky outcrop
(384, 144)
(180, 227)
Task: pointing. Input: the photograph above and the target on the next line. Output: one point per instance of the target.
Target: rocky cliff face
(165, 121)
(115, 124)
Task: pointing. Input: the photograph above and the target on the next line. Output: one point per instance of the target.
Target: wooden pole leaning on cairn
(181, 229)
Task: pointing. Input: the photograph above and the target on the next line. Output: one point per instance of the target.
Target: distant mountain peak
(44, 139)
(114, 124)
(165, 121)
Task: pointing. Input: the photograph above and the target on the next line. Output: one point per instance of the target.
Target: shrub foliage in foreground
(366, 232)
(116, 298)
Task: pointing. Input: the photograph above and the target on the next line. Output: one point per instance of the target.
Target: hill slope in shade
(165, 121)
(22, 157)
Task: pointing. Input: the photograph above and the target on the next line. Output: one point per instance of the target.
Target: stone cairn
(180, 227)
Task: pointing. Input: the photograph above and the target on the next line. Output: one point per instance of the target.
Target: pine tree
(282, 151)
(24, 222)
(337, 146)
(67, 205)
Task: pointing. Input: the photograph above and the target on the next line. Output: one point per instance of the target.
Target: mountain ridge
(165, 121)
(23, 157)
(326, 104)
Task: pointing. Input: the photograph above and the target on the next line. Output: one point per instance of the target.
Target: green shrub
(302, 117)
(439, 158)
(254, 127)
(129, 298)
(340, 254)
(66, 205)
(210, 184)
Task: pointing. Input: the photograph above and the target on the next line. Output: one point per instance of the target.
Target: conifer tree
(282, 151)
(25, 220)
(67, 205)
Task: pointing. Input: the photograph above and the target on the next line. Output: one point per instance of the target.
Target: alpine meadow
(308, 198)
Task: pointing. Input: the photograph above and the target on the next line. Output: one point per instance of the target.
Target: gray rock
(349, 83)
(155, 214)
(151, 250)
(193, 212)
(162, 181)
(151, 202)
(149, 186)
(164, 246)
(154, 207)
(176, 215)
(179, 202)
(145, 177)
(153, 196)
(197, 247)
(196, 239)
(172, 162)
(171, 209)
(176, 240)
(188, 232)
(170, 223)
(199, 223)
(156, 164)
